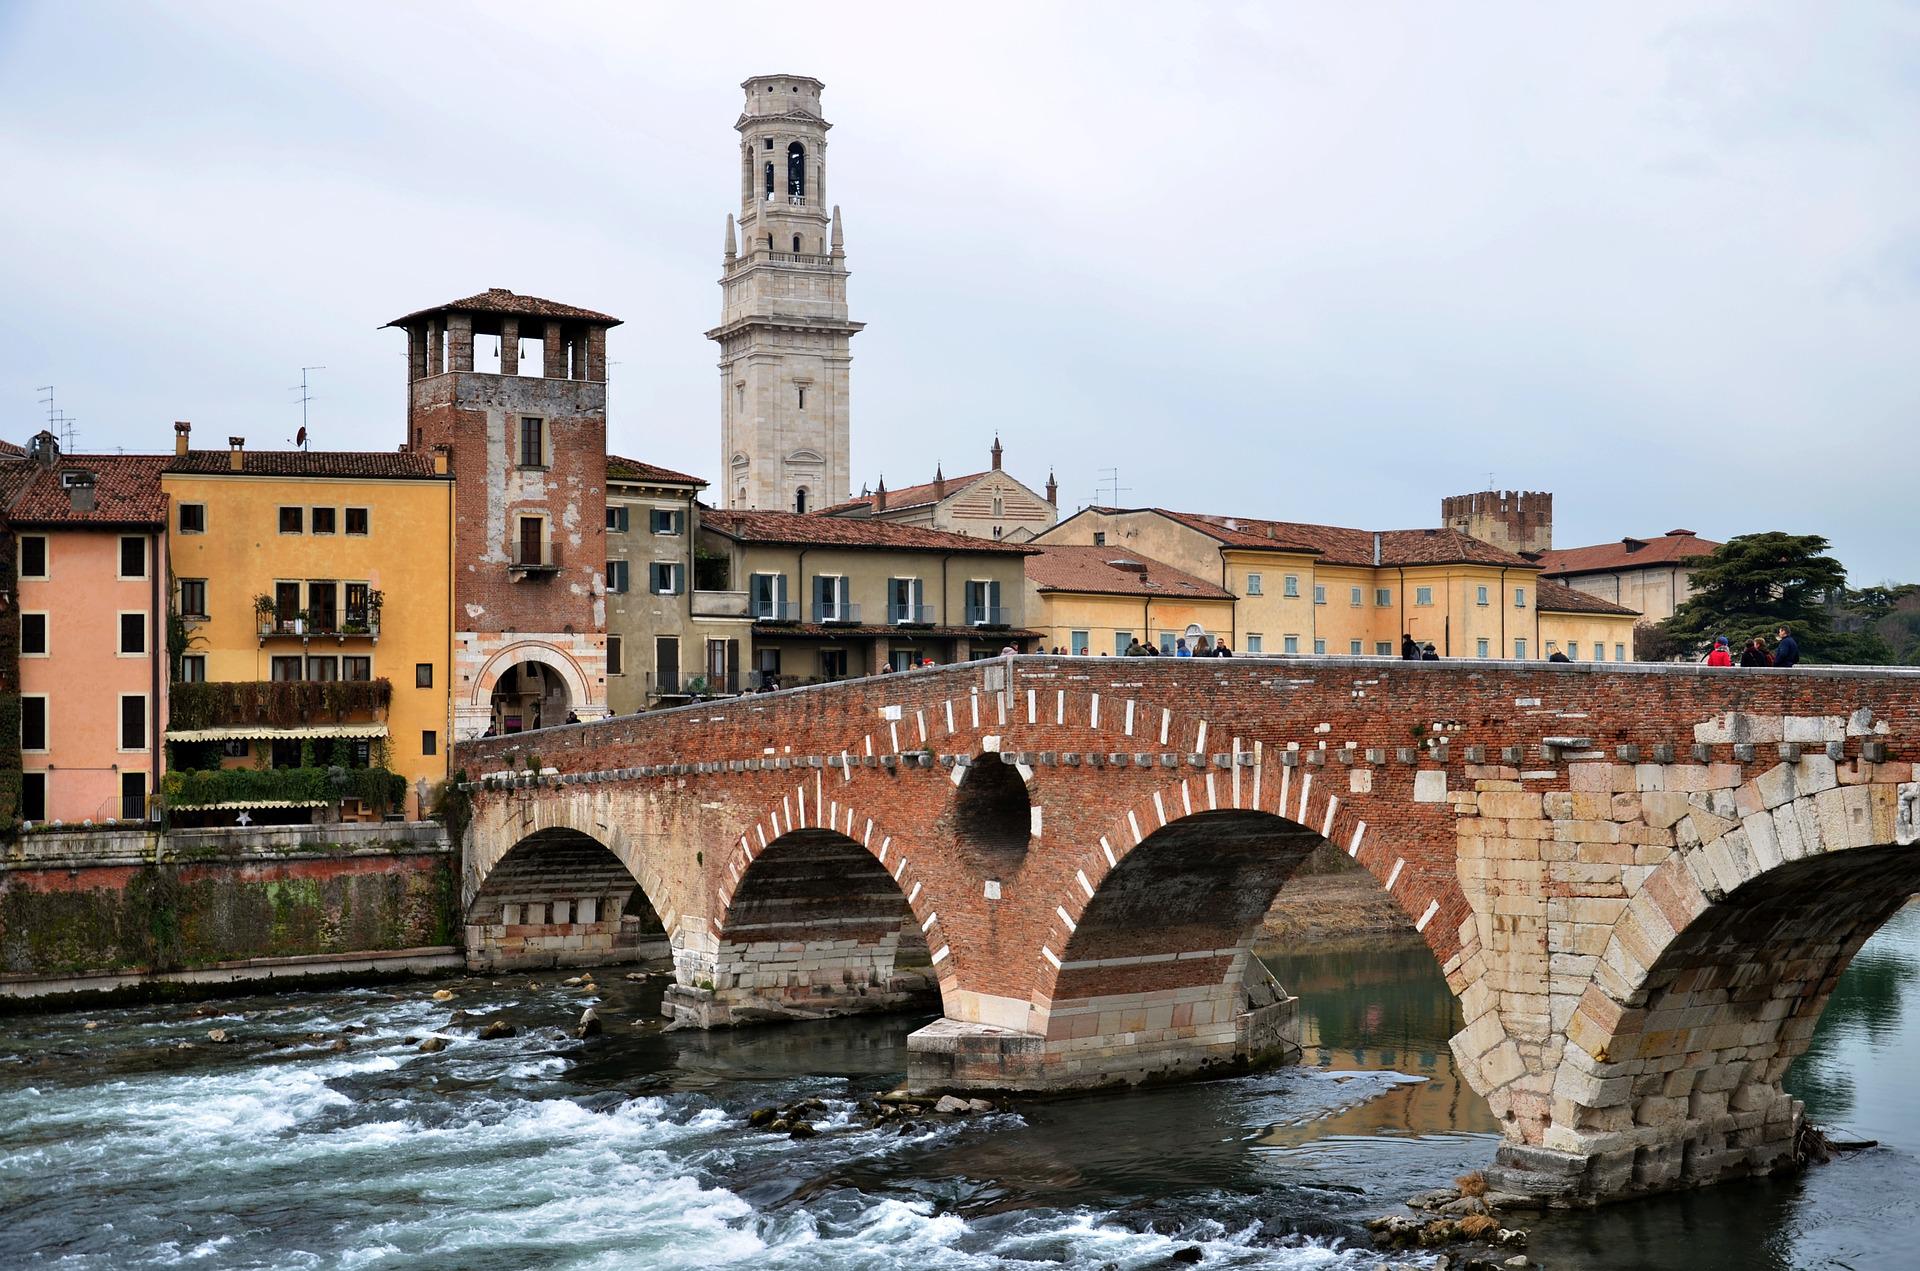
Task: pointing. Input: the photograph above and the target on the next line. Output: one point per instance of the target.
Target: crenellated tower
(784, 330)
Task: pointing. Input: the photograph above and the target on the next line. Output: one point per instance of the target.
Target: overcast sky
(1320, 263)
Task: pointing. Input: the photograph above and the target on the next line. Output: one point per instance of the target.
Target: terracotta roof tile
(909, 496)
(1336, 545)
(1552, 597)
(1111, 571)
(370, 464)
(620, 468)
(500, 301)
(805, 528)
(126, 491)
(1672, 548)
(12, 449)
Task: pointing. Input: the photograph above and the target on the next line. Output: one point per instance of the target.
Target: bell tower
(784, 329)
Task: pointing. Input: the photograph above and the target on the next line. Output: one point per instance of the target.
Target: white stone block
(1430, 786)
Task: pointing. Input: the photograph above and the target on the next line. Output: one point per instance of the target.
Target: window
(1355, 601)
(133, 721)
(423, 675)
(830, 598)
(286, 604)
(289, 667)
(33, 635)
(904, 597)
(800, 390)
(800, 499)
(323, 668)
(193, 597)
(429, 742)
(323, 611)
(356, 520)
(1255, 642)
(616, 577)
(1319, 593)
(1383, 596)
(324, 520)
(1619, 653)
(193, 668)
(1166, 641)
(1423, 595)
(133, 796)
(1319, 646)
(1077, 643)
(616, 655)
(193, 518)
(1383, 648)
(1292, 585)
(1480, 595)
(1552, 647)
(133, 635)
(33, 721)
(1519, 597)
(666, 664)
(1520, 649)
(767, 596)
(355, 666)
(533, 442)
(667, 521)
(292, 520)
(1353, 647)
(1480, 648)
(33, 555)
(617, 518)
(359, 605)
(983, 603)
(1290, 644)
(666, 578)
(1573, 649)
(133, 556)
(33, 796)
(1121, 639)
(1099, 538)
(1253, 584)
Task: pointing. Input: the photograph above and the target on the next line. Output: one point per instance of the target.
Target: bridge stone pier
(1641, 882)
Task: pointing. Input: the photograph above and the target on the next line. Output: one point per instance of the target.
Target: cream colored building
(1095, 600)
(1651, 575)
(832, 598)
(990, 504)
(1323, 589)
(784, 329)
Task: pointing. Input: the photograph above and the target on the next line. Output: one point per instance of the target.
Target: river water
(119, 1148)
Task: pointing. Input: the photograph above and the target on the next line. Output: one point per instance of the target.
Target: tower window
(796, 242)
(796, 172)
(800, 499)
(802, 390)
(767, 144)
(769, 183)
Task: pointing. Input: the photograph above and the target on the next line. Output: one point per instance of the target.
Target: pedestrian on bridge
(1786, 652)
(1409, 651)
(1720, 656)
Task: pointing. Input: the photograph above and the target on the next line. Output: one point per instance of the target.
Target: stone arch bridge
(1641, 882)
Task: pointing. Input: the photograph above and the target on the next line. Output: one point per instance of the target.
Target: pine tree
(1757, 583)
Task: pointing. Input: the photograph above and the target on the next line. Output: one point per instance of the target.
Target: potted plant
(300, 617)
(263, 611)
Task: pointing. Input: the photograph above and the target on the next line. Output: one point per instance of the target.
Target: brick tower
(526, 440)
(1521, 521)
(784, 329)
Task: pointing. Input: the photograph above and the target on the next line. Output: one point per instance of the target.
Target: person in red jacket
(1720, 656)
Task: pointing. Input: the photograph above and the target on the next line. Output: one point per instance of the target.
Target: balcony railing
(529, 560)
(719, 604)
(693, 684)
(776, 611)
(989, 616)
(836, 612)
(327, 626)
(910, 615)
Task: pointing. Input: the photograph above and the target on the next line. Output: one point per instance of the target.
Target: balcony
(911, 615)
(776, 611)
(719, 604)
(275, 704)
(326, 626)
(693, 684)
(531, 560)
(989, 616)
(836, 613)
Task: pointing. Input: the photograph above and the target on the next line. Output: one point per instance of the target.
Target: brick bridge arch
(1516, 812)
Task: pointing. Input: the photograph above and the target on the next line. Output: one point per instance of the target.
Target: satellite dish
(300, 438)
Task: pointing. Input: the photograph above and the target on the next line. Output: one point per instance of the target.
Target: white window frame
(1355, 648)
(1382, 649)
(1383, 597)
(1290, 586)
(120, 719)
(1289, 644)
(1358, 597)
(1253, 585)
(1480, 595)
(1519, 648)
(46, 633)
(1423, 596)
(119, 630)
(1319, 647)
(624, 576)
(1519, 597)
(676, 572)
(1319, 593)
(1481, 647)
(1255, 641)
(46, 724)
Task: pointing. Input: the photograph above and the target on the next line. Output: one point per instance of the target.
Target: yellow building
(1096, 600)
(328, 573)
(1303, 588)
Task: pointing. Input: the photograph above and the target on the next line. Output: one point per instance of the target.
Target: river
(120, 1148)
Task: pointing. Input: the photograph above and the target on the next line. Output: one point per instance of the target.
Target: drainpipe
(1403, 597)
(1502, 599)
(1146, 619)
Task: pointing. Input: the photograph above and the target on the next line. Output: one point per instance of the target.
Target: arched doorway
(529, 695)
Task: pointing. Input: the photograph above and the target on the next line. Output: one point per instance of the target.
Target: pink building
(90, 564)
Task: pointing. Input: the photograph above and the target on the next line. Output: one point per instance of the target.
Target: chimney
(880, 495)
(80, 490)
(44, 449)
(236, 452)
(1053, 490)
(996, 453)
(181, 428)
(440, 456)
(1376, 547)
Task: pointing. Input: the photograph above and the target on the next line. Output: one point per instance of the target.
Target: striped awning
(262, 732)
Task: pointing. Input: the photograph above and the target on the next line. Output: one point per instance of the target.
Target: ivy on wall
(376, 787)
(273, 703)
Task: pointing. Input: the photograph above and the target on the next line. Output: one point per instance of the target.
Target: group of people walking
(1200, 647)
(1785, 652)
(1411, 650)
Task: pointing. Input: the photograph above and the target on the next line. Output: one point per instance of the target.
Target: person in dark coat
(1755, 654)
(1557, 656)
(1786, 652)
(1220, 649)
(1409, 651)
(1429, 654)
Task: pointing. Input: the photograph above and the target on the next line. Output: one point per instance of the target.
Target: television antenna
(306, 395)
(1110, 483)
(59, 423)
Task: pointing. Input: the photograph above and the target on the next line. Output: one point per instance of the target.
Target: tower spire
(731, 249)
(838, 239)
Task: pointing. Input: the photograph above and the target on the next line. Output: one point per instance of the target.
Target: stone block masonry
(1640, 907)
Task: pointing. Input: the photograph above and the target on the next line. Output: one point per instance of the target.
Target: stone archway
(560, 897)
(474, 713)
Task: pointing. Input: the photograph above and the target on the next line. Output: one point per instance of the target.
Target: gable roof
(1336, 545)
(909, 496)
(1675, 547)
(1111, 571)
(126, 491)
(366, 464)
(1552, 597)
(620, 468)
(810, 530)
(498, 300)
